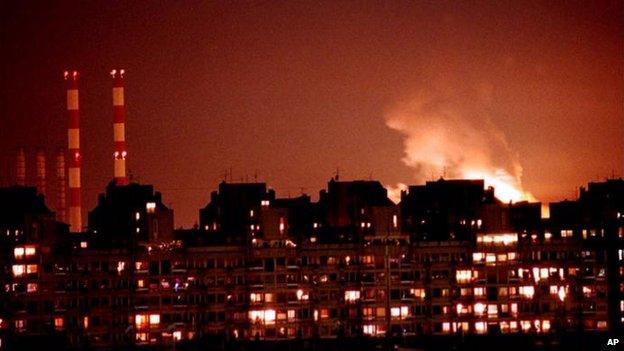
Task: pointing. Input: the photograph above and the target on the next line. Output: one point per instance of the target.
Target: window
(418, 292)
(19, 252)
(463, 276)
(480, 327)
(369, 329)
(256, 297)
(527, 291)
(479, 308)
(140, 320)
(154, 319)
(59, 323)
(266, 317)
(150, 207)
(352, 295)
(18, 270)
(478, 257)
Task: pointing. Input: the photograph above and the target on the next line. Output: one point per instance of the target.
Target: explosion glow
(448, 134)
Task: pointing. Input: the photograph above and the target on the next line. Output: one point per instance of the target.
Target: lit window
(121, 265)
(381, 311)
(30, 251)
(291, 315)
(527, 291)
(404, 311)
(19, 252)
(31, 268)
(446, 327)
(31, 287)
(418, 292)
(480, 327)
(462, 309)
(369, 329)
(264, 203)
(395, 312)
(478, 257)
(83, 244)
(266, 317)
(140, 320)
(177, 335)
(18, 270)
(395, 221)
(302, 295)
(59, 323)
(150, 207)
(256, 297)
(352, 295)
(20, 324)
(282, 225)
(463, 276)
(480, 291)
(154, 319)
(545, 326)
(492, 310)
(479, 308)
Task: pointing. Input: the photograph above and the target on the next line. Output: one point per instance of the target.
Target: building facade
(448, 259)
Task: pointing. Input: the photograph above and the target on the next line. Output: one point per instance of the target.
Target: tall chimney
(61, 205)
(73, 146)
(20, 167)
(41, 172)
(119, 127)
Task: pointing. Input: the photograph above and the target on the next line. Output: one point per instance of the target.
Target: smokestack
(41, 172)
(61, 205)
(20, 167)
(73, 145)
(119, 127)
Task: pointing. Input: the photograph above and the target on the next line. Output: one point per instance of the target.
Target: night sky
(398, 91)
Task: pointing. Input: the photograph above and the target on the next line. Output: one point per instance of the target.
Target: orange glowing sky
(292, 91)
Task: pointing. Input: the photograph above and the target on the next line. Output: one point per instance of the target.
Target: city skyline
(292, 92)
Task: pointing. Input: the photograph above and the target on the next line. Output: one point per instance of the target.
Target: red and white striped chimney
(61, 205)
(73, 146)
(119, 127)
(41, 172)
(20, 167)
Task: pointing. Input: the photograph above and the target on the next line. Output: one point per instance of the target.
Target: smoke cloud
(449, 133)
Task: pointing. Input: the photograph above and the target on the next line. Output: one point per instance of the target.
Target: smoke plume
(449, 133)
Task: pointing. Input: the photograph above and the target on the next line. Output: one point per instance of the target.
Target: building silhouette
(449, 259)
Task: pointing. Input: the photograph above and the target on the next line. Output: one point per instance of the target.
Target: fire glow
(449, 134)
